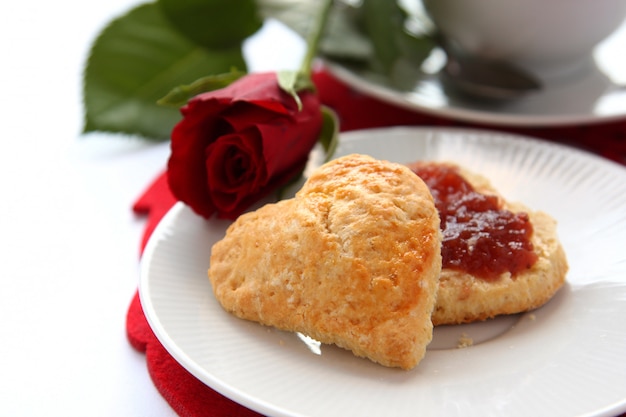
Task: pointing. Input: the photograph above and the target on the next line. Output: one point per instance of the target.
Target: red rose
(238, 144)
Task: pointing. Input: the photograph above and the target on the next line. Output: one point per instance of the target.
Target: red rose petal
(236, 169)
(190, 137)
(261, 89)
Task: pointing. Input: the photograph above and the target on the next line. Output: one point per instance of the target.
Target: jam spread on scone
(479, 236)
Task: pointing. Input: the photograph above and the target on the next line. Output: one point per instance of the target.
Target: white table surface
(69, 241)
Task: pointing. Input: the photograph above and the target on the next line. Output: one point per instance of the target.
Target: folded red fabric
(191, 398)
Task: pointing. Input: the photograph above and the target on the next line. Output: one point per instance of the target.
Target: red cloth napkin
(191, 398)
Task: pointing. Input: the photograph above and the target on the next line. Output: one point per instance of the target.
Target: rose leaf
(213, 23)
(342, 39)
(329, 136)
(293, 81)
(383, 20)
(385, 23)
(134, 62)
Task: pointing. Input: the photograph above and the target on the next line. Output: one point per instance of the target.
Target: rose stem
(315, 36)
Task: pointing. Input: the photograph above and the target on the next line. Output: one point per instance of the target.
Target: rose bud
(238, 144)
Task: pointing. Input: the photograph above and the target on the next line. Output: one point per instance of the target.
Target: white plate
(598, 95)
(567, 358)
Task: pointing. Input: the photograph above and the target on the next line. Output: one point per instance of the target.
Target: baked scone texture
(353, 260)
(464, 298)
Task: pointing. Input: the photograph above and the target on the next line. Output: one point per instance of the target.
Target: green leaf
(341, 38)
(297, 15)
(329, 137)
(179, 96)
(383, 21)
(287, 82)
(344, 39)
(134, 62)
(381, 34)
(213, 23)
(294, 81)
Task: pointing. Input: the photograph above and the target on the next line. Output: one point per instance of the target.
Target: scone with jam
(498, 257)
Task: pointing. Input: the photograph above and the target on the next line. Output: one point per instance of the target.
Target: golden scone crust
(463, 298)
(352, 260)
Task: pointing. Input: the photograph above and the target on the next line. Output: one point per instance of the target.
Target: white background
(69, 242)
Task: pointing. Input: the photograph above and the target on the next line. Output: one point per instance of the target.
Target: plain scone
(464, 298)
(352, 260)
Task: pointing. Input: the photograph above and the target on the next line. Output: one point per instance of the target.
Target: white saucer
(595, 94)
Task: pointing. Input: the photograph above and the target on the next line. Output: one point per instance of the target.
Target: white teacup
(550, 38)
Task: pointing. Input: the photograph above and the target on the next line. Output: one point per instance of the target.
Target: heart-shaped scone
(353, 260)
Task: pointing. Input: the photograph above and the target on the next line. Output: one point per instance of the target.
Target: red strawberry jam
(479, 236)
